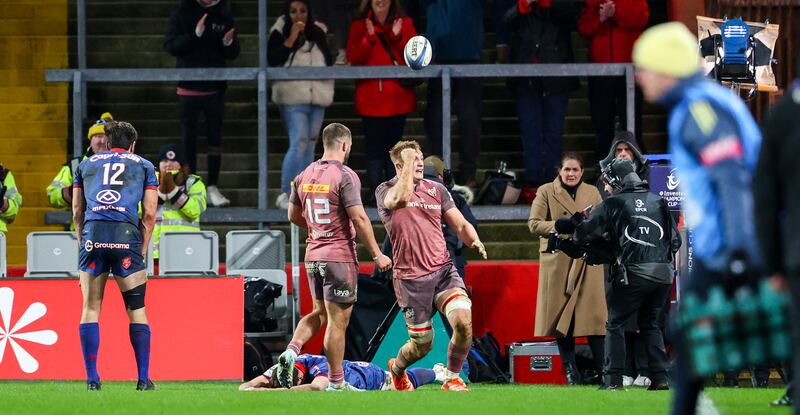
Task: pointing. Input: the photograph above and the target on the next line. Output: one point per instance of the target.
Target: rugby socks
(401, 363)
(140, 340)
(90, 342)
(295, 347)
(455, 360)
(421, 376)
(336, 377)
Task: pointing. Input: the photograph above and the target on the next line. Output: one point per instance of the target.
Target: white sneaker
(282, 201)
(216, 198)
(341, 59)
(343, 387)
(441, 372)
(627, 380)
(642, 381)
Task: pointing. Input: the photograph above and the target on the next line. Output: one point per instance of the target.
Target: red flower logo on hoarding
(13, 334)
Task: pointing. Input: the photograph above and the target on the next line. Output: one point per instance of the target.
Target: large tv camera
(596, 252)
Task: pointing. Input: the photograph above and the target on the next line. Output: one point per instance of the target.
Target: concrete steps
(33, 115)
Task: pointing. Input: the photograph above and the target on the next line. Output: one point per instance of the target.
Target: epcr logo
(639, 203)
(672, 180)
(108, 196)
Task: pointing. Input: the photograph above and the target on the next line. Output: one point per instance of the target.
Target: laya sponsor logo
(341, 293)
(89, 245)
(13, 334)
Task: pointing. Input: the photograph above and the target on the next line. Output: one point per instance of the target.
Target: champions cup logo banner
(664, 181)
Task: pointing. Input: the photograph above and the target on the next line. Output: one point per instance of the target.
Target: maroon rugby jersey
(325, 189)
(418, 245)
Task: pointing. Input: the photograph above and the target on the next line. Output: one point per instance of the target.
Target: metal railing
(79, 78)
(262, 74)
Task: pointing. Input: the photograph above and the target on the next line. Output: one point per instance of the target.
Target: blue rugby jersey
(113, 183)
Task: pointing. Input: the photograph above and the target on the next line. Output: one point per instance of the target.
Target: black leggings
(212, 107)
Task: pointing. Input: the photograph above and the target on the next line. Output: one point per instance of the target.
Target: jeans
(303, 123)
(541, 123)
(380, 134)
(212, 107)
(466, 94)
(647, 298)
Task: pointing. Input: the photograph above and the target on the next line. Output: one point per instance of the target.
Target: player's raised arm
(466, 232)
(398, 195)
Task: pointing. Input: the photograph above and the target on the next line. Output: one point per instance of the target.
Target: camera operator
(643, 238)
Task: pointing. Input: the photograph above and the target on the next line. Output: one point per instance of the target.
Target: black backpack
(259, 296)
(257, 359)
(486, 363)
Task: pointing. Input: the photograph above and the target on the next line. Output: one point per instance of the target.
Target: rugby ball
(418, 52)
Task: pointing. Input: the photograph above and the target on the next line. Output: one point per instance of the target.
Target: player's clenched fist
(383, 262)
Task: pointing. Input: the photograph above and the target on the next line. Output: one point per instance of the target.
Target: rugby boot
(441, 372)
(455, 385)
(93, 386)
(401, 383)
(286, 368)
(784, 400)
(658, 386)
(145, 385)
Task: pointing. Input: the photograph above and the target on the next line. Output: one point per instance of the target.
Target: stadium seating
(52, 254)
(188, 253)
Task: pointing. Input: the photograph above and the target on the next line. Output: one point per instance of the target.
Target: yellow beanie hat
(99, 127)
(669, 49)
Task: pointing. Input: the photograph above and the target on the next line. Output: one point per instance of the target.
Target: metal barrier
(79, 77)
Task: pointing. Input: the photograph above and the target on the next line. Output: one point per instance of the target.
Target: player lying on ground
(311, 374)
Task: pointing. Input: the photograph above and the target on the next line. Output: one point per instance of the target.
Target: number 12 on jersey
(315, 211)
(117, 168)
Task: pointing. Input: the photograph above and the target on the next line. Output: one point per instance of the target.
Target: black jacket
(203, 52)
(544, 35)
(640, 229)
(777, 202)
(639, 160)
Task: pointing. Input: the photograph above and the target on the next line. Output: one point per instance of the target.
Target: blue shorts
(111, 246)
(364, 375)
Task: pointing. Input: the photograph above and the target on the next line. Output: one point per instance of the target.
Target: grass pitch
(44, 397)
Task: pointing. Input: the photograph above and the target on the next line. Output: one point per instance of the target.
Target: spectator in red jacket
(612, 26)
(377, 38)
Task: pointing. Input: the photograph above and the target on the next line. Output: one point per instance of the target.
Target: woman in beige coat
(570, 300)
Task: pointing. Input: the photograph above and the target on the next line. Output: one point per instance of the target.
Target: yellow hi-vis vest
(187, 217)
